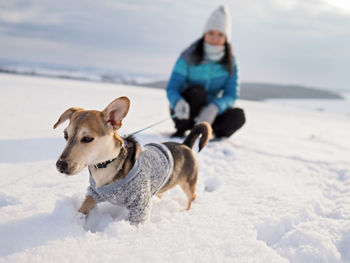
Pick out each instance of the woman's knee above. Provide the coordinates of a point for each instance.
(195, 93)
(229, 122)
(196, 96)
(239, 115)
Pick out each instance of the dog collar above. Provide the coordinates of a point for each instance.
(104, 164)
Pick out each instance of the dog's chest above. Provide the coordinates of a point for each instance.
(103, 176)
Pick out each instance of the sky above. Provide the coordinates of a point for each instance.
(283, 42)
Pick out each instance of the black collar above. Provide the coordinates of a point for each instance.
(104, 164)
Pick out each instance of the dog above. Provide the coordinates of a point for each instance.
(121, 171)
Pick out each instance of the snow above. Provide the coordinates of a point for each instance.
(277, 191)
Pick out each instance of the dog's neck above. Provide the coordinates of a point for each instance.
(116, 169)
(104, 164)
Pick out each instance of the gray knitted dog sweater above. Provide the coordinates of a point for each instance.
(149, 174)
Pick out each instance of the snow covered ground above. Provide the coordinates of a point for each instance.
(277, 191)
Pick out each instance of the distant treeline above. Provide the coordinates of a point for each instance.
(263, 91)
(248, 90)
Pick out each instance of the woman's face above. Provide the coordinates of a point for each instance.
(214, 37)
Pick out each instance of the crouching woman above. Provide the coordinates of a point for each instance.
(203, 85)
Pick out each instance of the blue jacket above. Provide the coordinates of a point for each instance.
(221, 87)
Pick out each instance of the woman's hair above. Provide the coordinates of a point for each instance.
(226, 61)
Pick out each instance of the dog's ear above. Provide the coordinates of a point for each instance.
(66, 115)
(116, 111)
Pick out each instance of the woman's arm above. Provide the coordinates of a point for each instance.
(231, 91)
(177, 82)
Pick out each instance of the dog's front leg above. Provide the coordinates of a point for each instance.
(87, 205)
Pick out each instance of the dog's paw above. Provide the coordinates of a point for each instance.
(81, 218)
(83, 211)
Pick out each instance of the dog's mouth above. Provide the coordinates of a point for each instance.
(66, 168)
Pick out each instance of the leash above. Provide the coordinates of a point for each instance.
(150, 126)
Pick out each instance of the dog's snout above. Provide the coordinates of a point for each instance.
(62, 165)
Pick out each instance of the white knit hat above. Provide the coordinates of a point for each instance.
(220, 20)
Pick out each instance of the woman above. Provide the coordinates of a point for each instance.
(203, 85)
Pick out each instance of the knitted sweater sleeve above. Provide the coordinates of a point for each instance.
(177, 82)
(231, 91)
(93, 193)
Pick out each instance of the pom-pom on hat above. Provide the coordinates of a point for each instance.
(220, 20)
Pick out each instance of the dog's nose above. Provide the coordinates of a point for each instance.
(62, 165)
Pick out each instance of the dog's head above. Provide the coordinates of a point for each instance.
(91, 136)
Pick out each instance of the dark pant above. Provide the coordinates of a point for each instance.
(224, 125)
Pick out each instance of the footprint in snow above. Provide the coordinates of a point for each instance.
(7, 200)
(212, 184)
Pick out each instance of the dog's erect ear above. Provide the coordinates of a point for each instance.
(116, 111)
(66, 115)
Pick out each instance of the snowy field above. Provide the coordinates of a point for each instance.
(277, 191)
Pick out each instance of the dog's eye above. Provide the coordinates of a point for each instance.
(66, 135)
(87, 139)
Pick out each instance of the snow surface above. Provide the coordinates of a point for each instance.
(277, 191)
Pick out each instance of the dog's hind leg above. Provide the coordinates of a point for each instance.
(189, 188)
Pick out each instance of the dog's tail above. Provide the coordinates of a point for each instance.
(203, 129)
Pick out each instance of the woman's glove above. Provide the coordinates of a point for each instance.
(208, 114)
(182, 110)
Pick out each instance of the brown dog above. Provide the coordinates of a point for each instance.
(92, 141)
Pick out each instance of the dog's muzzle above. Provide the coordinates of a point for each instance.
(62, 166)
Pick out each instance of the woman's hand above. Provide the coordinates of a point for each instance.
(182, 110)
